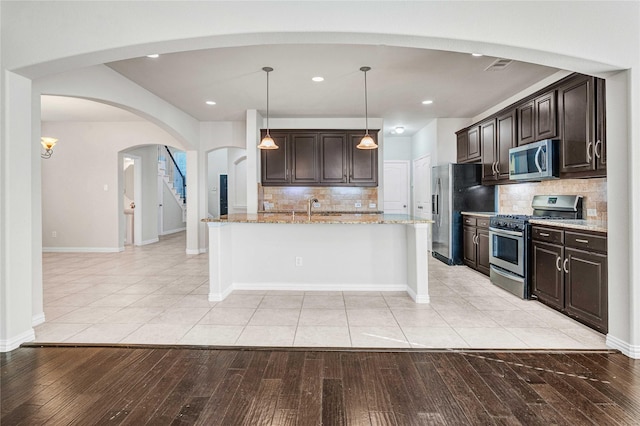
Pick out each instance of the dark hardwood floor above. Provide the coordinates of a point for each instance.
(213, 386)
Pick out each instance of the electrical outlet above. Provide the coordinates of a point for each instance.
(106, 187)
(316, 205)
(592, 212)
(298, 261)
(54, 234)
(372, 205)
(358, 204)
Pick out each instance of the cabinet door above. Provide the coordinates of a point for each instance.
(488, 141)
(474, 148)
(526, 127)
(469, 246)
(462, 146)
(577, 125)
(586, 287)
(482, 237)
(304, 158)
(333, 157)
(363, 163)
(506, 139)
(545, 116)
(546, 275)
(275, 162)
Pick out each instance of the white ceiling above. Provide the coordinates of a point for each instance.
(400, 79)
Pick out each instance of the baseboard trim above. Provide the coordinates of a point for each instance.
(196, 251)
(632, 351)
(7, 345)
(82, 249)
(146, 242)
(173, 231)
(318, 287)
(418, 299)
(219, 297)
(37, 319)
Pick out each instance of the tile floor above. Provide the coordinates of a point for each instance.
(158, 294)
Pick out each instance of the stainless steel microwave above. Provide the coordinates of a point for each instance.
(535, 161)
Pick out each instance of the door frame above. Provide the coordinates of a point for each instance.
(137, 196)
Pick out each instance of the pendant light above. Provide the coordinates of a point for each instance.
(267, 142)
(367, 141)
(48, 144)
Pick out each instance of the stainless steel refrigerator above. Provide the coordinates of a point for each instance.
(456, 188)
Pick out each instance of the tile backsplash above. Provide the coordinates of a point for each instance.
(287, 198)
(517, 198)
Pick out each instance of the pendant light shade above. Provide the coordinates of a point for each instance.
(367, 141)
(48, 144)
(267, 141)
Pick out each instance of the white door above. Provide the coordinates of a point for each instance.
(422, 187)
(396, 187)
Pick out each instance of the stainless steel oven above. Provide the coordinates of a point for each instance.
(506, 249)
(507, 256)
(509, 240)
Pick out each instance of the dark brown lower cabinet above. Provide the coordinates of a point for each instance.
(569, 273)
(475, 240)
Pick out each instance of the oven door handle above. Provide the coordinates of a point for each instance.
(505, 232)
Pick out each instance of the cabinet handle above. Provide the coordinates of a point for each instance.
(564, 265)
(495, 168)
(580, 240)
(589, 147)
(598, 152)
(544, 234)
(558, 264)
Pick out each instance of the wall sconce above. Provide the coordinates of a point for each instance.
(48, 144)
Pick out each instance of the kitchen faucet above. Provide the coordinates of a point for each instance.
(309, 205)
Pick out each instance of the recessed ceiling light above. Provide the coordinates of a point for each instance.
(399, 130)
(477, 55)
(318, 79)
(210, 102)
(427, 102)
(155, 55)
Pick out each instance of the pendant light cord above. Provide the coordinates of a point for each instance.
(366, 109)
(268, 103)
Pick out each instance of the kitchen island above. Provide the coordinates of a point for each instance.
(326, 252)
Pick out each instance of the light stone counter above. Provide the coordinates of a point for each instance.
(481, 214)
(322, 217)
(579, 224)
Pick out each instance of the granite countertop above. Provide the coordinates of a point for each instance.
(482, 214)
(581, 224)
(326, 217)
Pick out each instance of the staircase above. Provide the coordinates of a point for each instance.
(173, 178)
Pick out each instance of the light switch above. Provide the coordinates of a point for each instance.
(106, 187)
(592, 212)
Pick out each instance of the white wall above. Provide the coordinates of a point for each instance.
(397, 148)
(237, 180)
(425, 141)
(75, 203)
(171, 212)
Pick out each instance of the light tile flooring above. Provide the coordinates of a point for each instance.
(158, 294)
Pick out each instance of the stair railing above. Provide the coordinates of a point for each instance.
(182, 181)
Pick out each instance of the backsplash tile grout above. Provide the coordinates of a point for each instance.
(516, 198)
(338, 198)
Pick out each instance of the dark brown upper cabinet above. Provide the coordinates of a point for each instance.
(363, 163)
(469, 146)
(333, 158)
(305, 167)
(275, 163)
(537, 119)
(319, 158)
(495, 156)
(581, 107)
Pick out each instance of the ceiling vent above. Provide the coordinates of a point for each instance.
(499, 64)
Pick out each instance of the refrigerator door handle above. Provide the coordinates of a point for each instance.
(438, 200)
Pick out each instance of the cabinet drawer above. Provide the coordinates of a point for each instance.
(482, 222)
(471, 221)
(588, 242)
(548, 235)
